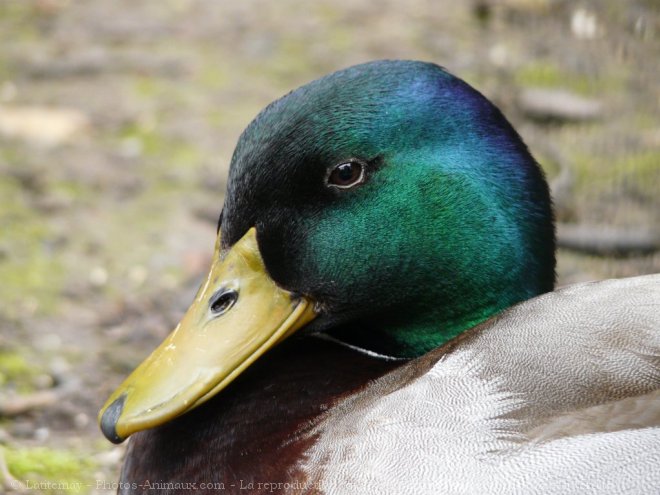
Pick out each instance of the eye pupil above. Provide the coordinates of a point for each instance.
(346, 175)
(346, 171)
(223, 301)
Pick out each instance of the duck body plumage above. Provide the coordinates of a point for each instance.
(558, 394)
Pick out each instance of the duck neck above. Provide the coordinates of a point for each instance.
(414, 337)
(411, 333)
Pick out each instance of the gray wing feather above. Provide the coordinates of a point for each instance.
(559, 394)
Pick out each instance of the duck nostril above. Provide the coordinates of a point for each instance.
(222, 301)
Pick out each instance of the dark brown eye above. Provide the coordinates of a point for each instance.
(346, 175)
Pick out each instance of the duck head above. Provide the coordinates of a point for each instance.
(389, 205)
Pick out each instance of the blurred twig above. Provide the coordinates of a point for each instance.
(8, 480)
(607, 241)
(20, 404)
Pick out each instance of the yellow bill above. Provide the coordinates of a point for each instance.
(238, 314)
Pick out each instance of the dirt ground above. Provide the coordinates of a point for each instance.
(117, 124)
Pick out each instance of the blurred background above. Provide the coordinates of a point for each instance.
(117, 124)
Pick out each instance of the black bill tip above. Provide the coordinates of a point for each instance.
(110, 418)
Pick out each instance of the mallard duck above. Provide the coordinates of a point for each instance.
(380, 317)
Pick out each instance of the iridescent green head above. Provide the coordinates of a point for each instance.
(389, 204)
(399, 199)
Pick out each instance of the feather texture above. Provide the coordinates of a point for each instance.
(544, 398)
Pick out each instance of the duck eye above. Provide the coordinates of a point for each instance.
(346, 175)
(222, 301)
